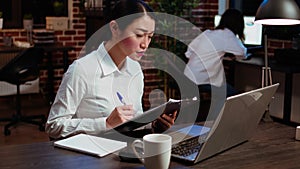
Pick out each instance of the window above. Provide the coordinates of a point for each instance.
(14, 10)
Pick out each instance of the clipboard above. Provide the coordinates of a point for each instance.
(149, 116)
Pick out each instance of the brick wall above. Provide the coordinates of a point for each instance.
(276, 44)
(203, 15)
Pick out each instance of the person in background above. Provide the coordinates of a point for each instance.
(206, 51)
(104, 88)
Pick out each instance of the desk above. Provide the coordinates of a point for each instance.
(272, 146)
(49, 50)
(289, 71)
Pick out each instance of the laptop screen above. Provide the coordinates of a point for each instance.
(252, 31)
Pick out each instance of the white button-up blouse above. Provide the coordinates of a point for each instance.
(205, 54)
(87, 94)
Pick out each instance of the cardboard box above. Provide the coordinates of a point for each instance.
(7, 89)
(57, 23)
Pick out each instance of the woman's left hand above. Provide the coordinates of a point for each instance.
(164, 122)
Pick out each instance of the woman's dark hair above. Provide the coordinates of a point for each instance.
(123, 12)
(233, 20)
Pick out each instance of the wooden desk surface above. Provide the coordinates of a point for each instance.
(273, 146)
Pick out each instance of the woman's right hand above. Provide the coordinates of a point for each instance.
(119, 115)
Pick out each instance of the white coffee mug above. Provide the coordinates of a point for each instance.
(156, 150)
(297, 133)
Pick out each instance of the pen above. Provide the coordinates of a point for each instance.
(121, 98)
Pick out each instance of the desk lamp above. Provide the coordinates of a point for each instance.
(275, 12)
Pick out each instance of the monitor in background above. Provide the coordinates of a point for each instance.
(252, 31)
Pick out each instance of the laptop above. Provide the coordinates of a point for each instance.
(234, 125)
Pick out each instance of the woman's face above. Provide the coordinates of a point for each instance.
(135, 39)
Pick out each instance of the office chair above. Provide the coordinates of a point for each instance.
(21, 69)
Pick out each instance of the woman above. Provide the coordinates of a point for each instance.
(206, 51)
(104, 88)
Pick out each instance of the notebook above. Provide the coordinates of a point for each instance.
(234, 125)
(92, 145)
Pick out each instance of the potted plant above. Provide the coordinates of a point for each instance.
(58, 7)
(27, 21)
(1, 20)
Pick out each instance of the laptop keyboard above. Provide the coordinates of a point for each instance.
(188, 147)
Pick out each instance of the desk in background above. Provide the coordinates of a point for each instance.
(49, 50)
(272, 146)
(289, 71)
(247, 75)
